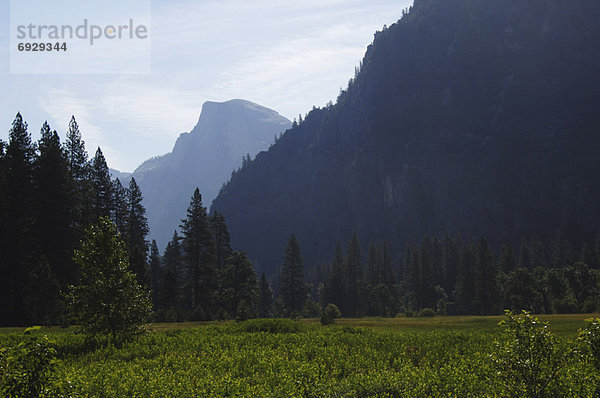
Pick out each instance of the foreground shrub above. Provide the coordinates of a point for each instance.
(528, 360)
(589, 339)
(330, 314)
(27, 368)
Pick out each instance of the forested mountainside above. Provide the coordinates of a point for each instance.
(475, 117)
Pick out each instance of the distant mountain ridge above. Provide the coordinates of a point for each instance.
(204, 158)
(476, 117)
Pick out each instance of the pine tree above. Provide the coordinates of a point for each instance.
(507, 261)
(221, 237)
(427, 294)
(172, 281)
(156, 274)
(53, 205)
(334, 288)
(597, 246)
(137, 230)
(486, 293)
(537, 252)
(387, 269)
(465, 280)
(239, 288)
(42, 296)
(265, 298)
(436, 262)
(560, 251)
(524, 255)
(293, 288)
(101, 187)
(372, 266)
(80, 188)
(199, 257)
(119, 209)
(354, 277)
(20, 248)
(450, 259)
(413, 277)
(588, 256)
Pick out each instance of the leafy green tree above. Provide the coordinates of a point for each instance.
(199, 256)
(107, 298)
(137, 230)
(293, 288)
(520, 291)
(265, 298)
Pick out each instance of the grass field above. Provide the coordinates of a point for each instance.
(441, 356)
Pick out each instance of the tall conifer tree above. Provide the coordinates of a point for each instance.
(53, 205)
(20, 246)
(199, 256)
(293, 288)
(354, 277)
(137, 230)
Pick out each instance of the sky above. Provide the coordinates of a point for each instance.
(285, 55)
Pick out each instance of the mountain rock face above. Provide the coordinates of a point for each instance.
(475, 117)
(204, 158)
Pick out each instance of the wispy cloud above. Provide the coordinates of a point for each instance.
(285, 55)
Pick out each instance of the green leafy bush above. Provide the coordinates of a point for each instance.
(589, 339)
(330, 314)
(528, 359)
(27, 368)
(427, 312)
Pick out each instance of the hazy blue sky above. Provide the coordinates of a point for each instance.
(285, 55)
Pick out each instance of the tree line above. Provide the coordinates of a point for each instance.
(448, 276)
(50, 193)
(55, 203)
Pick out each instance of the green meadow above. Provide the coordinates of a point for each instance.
(369, 357)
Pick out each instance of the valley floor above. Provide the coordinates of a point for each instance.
(441, 356)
